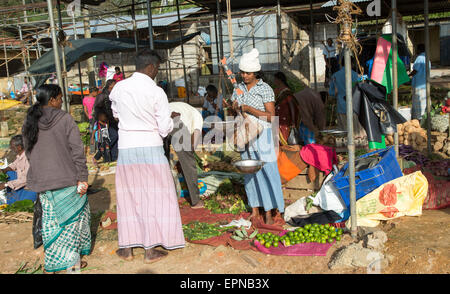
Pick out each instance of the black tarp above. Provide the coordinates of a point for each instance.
(369, 96)
(85, 48)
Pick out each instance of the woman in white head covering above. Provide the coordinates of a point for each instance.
(263, 188)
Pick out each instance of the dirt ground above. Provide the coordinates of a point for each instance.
(417, 244)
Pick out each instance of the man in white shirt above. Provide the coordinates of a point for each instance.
(331, 64)
(186, 135)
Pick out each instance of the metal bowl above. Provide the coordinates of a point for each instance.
(248, 166)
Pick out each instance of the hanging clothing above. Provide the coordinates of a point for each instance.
(320, 156)
(66, 232)
(368, 96)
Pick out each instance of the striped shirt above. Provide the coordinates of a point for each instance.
(258, 95)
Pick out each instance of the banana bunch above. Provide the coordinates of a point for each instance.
(241, 234)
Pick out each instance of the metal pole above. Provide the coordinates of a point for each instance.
(66, 102)
(150, 25)
(133, 17)
(219, 14)
(279, 33)
(313, 44)
(394, 67)
(182, 51)
(427, 70)
(217, 40)
(221, 80)
(230, 33)
(170, 68)
(55, 44)
(6, 59)
(351, 144)
(75, 36)
(87, 35)
(26, 64)
(120, 53)
(253, 31)
(38, 46)
(24, 12)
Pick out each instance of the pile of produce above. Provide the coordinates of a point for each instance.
(412, 134)
(200, 231)
(3, 177)
(220, 204)
(436, 167)
(307, 234)
(215, 163)
(242, 235)
(20, 206)
(439, 123)
(84, 132)
(229, 198)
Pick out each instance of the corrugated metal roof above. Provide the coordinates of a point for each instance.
(335, 2)
(125, 22)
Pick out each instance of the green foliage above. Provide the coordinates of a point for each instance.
(3, 178)
(200, 231)
(35, 269)
(84, 132)
(22, 205)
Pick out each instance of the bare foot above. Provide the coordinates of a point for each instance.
(199, 204)
(125, 253)
(269, 219)
(255, 213)
(153, 255)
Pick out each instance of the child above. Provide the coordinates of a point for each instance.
(88, 106)
(101, 136)
(118, 76)
(88, 102)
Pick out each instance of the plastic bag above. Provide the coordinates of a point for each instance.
(37, 224)
(403, 196)
(295, 209)
(328, 197)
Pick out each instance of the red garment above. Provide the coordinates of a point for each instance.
(118, 77)
(319, 156)
(282, 109)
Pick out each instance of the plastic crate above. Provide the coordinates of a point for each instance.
(369, 179)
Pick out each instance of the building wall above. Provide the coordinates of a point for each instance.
(418, 36)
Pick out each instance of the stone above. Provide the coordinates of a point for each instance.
(207, 251)
(365, 257)
(250, 260)
(363, 231)
(375, 240)
(343, 258)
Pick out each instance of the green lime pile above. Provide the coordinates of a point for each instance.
(307, 234)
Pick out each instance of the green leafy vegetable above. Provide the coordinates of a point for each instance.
(3, 178)
(22, 205)
(200, 231)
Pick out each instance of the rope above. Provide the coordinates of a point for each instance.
(345, 10)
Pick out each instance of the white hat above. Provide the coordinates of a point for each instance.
(249, 61)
